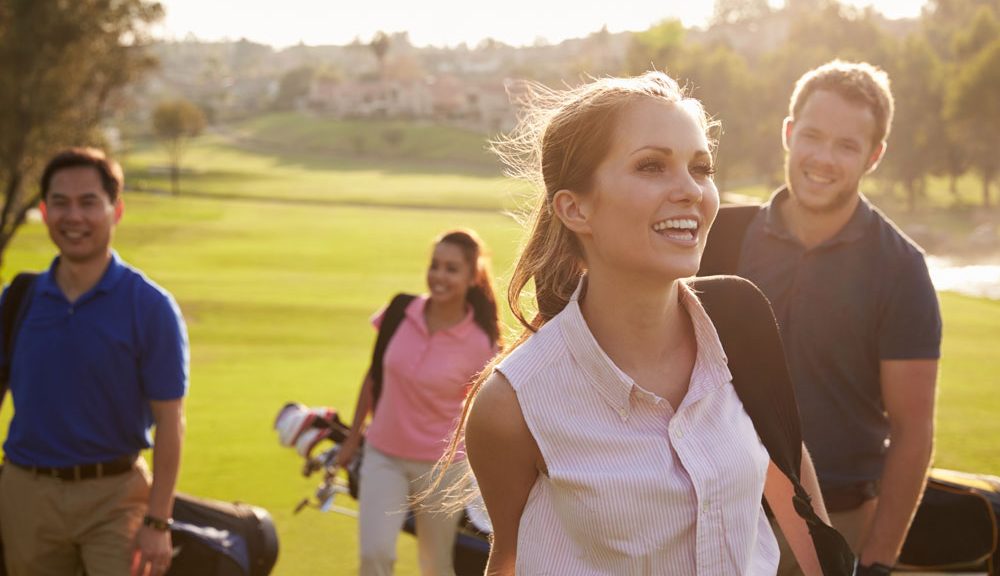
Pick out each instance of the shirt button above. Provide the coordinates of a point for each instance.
(678, 433)
(706, 507)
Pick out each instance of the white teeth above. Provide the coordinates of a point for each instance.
(818, 179)
(676, 224)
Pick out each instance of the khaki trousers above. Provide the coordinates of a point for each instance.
(852, 524)
(387, 483)
(58, 528)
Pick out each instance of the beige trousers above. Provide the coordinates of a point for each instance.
(387, 483)
(53, 527)
(852, 524)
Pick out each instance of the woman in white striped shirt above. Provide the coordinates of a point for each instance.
(609, 439)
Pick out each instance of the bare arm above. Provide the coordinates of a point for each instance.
(778, 491)
(154, 546)
(361, 411)
(908, 394)
(506, 462)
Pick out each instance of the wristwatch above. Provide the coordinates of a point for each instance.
(158, 524)
(874, 569)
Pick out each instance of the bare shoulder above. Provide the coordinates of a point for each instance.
(497, 427)
(496, 412)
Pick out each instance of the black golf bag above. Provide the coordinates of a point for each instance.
(955, 528)
(213, 538)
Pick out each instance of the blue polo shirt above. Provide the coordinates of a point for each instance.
(843, 306)
(82, 374)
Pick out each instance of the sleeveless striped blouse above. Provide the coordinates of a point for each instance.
(635, 487)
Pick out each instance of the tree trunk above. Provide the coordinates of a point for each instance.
(175, 179)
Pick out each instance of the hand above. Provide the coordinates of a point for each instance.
(153, 552)
(348, 450)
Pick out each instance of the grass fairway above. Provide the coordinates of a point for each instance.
(277, 298)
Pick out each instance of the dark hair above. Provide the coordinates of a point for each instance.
(480, 295)
(112, 177)
(857, 82)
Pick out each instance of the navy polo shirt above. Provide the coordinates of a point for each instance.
(862, 296)
(82, 374)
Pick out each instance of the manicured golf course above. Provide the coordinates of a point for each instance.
(277, 297)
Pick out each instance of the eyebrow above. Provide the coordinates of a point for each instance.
(667, 151)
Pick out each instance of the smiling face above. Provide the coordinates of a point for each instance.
(829, 148)
(652, 199)
(450, 275)
(79, 215)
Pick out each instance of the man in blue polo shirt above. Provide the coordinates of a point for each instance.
(858, 313)
(101, 357)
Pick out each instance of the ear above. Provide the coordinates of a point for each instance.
(877, 154)
(786, 132)
(119, 209)
(573, 210)
(44, 210)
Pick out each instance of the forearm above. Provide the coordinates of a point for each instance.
(902, 485)
(810, 481)
(166, 466)
(363, 406)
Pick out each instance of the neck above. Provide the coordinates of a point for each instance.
(451, 311)
(75, 278)
(635, 323)
(812, 227)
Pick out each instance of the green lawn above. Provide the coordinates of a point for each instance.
(277, 298)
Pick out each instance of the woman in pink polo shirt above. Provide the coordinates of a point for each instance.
(445, 339)
(609, 439)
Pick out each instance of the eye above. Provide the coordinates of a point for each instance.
(650, 165)
(703, 169)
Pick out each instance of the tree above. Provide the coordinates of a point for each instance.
(973, 105)
(918, 126)
(657, 47)
(175, 123)
(739, 11)
(60, 64)
(380, 47)
(294, 87)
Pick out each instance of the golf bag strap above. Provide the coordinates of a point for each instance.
(15, 302)
(749, 335)
(725, 240)
(391, 320)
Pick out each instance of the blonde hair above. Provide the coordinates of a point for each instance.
(560, 140)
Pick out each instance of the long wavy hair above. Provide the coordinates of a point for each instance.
(560, 140)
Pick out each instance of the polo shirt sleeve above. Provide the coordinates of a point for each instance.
(165, 354)
(377, 318)
(910, 324)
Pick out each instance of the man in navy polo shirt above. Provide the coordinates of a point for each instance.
(858, 313)
(100, 358)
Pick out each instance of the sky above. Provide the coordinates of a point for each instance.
(283, 23)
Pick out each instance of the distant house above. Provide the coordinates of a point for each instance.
(480, 105)
(372, 98)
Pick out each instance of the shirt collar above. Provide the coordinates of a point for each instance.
(116, 267)
(415, 312)
(615, 386)
(854, 230)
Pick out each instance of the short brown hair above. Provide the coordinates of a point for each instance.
(857, 82)
(112, 177)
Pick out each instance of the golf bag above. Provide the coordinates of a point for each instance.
(316, 434)
(213, 538)
(955, 527)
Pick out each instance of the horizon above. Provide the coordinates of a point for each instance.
(311, 20)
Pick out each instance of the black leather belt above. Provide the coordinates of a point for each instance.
(84, 471)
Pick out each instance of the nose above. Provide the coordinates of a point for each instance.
(685, 190)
